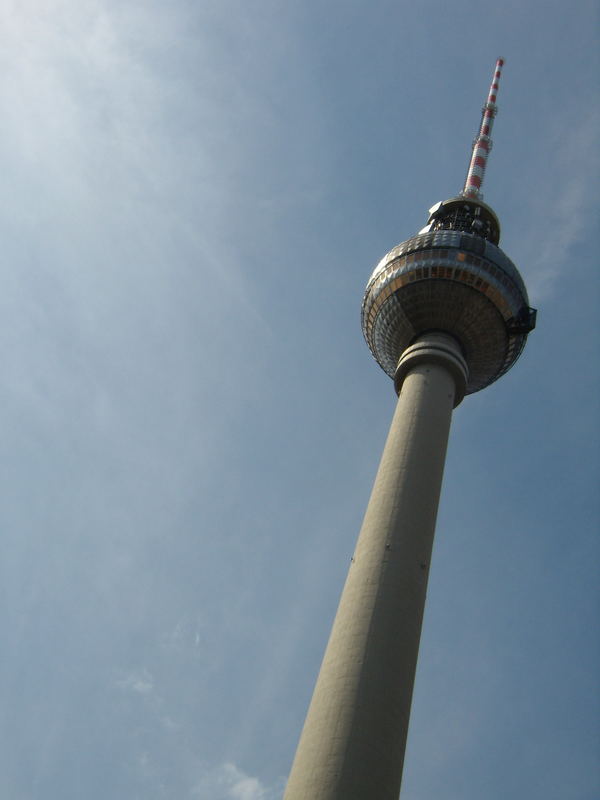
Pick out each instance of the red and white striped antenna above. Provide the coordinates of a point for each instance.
(482, 144)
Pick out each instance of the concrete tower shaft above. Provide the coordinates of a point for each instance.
(353, 740)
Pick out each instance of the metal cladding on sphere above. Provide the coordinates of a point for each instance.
(454, 281)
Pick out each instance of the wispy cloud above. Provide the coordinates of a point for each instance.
(569, 201)
(141, 682)
(229, 782)
(226, 781)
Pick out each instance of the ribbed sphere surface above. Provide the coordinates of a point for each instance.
(448, 281)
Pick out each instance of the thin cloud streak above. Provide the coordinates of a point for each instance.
(229, 782)
(570, 189)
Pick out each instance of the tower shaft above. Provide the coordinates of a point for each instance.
(352, 744)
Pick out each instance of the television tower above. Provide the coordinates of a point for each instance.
(445, 314)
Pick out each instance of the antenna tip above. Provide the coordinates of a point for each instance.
(500, 62)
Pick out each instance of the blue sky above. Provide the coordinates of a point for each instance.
(195, 194)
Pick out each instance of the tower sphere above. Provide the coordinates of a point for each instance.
(451, 277)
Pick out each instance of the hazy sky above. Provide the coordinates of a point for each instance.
(194, 196)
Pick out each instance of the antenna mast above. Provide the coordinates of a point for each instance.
(482, 144)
